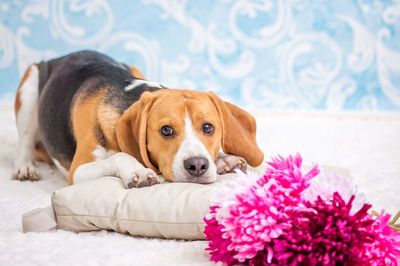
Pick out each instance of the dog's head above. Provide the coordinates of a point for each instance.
(180, 132)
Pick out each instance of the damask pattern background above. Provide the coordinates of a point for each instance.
(297, 54)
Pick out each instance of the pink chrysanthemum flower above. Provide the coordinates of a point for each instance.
(273, 222)
(325, 234)
(258, 214)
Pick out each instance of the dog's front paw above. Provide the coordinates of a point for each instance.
(26, 172)
(228, 163)
(143, 177)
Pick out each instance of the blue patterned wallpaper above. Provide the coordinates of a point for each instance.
(277, 54)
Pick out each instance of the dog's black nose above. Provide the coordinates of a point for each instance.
(196, 166)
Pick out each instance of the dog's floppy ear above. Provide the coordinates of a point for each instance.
(131, 129)
(238, 131)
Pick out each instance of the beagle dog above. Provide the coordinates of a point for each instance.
(92, 116)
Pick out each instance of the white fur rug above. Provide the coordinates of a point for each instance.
(368, 144)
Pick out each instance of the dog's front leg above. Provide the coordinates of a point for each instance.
(122, 165)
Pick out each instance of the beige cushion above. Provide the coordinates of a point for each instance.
(172, 210)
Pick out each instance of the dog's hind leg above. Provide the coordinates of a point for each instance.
(26, 112)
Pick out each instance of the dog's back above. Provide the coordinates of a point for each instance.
(77, 73)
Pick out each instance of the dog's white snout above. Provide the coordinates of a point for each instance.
(192, 162)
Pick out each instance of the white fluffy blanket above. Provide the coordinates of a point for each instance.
(368, 144)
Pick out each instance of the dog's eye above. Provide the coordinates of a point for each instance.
(167, 131)
(208, 128)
